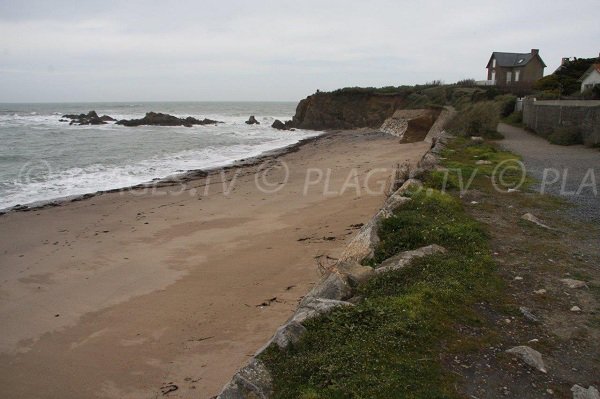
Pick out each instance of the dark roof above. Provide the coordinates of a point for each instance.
(512, 59)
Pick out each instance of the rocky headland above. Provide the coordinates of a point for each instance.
(344, 109)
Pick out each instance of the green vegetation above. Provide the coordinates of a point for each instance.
(566, 136)
(480, 119)
(506, 104)
(393, 342)
(515, 119)
(480, 108)
(565, 79)
(462, 168)
(432, 217)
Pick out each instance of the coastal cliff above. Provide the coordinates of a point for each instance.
(345, 109)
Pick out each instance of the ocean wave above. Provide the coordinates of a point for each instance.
(101, 177)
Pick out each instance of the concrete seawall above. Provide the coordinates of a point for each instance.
(544, 117)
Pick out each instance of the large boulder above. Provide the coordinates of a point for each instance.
(279, 125)
(311, 307)
(580, 392)
(289, 333)
(403, 259)
(252, 381)
(363, 244)
(160, 119)
(333, 286)
(252, 121)
(530, 356)
(354, 272)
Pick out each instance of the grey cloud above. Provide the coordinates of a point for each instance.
(267, 50)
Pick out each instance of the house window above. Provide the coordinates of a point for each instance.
(517, 76)
(508, 76)
(493, 63)
(494, 77)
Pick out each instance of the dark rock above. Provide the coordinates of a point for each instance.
(159, 119)
(91, 118)
(279, 125)
(252, 121)
(107, 118)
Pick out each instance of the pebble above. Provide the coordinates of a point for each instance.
(540, 292)
(528, 315)
(518, 278)
(575, 309)
(572, 283)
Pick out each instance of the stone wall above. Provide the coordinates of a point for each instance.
(543, 117)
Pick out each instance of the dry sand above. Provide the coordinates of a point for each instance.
(127, 295)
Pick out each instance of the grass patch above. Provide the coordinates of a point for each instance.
(389, 344)
(430, 218)
(463, 172)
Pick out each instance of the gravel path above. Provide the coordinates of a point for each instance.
(571, 172)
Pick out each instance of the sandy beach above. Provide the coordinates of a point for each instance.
(166, 292)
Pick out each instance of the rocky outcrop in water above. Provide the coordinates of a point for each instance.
(91, 118)
(345, 109)
(159, 119)
(252, 121)
(279, 125)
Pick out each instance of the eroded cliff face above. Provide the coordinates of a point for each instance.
(322, 111)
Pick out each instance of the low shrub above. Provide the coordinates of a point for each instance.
(566, 136)
(516, 118)
(481, 119)
(506, 104)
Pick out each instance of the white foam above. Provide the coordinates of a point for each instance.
(100, 177)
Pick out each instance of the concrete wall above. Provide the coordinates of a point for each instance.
(543, 117)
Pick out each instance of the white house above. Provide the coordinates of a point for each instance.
(590, 78)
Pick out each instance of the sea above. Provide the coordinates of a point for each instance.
(43, 159)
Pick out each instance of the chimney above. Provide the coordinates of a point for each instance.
(535, 51)
(564, 60)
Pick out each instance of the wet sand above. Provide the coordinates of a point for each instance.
(131, 294)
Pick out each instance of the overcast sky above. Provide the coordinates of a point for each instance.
(269, 50)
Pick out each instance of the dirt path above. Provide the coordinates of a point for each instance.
(165, 294)
(562, 320)
(572, 172)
